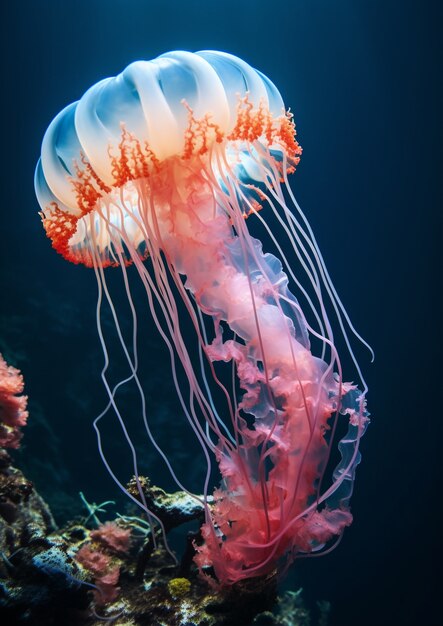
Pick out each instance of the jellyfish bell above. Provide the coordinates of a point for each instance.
(148, 123)
(165, 162)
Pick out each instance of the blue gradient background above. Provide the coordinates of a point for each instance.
(362, 78)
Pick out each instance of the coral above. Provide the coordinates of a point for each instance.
(95, 558)
(116, 539)
(14, 489)
(93, 509)
(172, 509)
(107, 590)
(46, 574)
(92, 560)
(37, 576)
(24, 516)
(179, 587)
(106, 573)
(291, 611)
(13, 413)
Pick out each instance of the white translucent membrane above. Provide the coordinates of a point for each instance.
(126, 221)
(149, 99)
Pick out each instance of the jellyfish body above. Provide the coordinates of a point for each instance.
(160, 167)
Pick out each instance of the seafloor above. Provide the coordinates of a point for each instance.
(88, 572)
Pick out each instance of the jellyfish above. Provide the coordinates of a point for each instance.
(168, 168)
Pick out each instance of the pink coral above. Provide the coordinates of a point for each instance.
(93, 560)
(107, 590)
(13, 413)
(106, 573)
(113, 537)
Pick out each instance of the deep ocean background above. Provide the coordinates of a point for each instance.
(362, 78)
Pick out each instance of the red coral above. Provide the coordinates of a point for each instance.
(113, 537)
(13, 413)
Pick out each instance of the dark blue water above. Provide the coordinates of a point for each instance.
(362, 80)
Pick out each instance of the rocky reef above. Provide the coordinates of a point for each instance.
(84, 573)
(91, 571)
